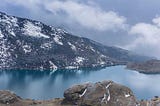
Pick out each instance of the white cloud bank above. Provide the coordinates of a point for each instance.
(147, 38)
(84, 14)
(88, 15)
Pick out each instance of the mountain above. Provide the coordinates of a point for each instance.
(30, 44)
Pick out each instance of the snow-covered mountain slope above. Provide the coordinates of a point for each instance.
(29, 44)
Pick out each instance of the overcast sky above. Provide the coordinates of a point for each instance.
(130, 24)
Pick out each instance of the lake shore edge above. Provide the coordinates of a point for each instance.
(78, 95)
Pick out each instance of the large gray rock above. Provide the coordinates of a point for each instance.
(6, 97)
(106, 93)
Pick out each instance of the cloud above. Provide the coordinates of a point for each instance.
(147, 38)
(29, 4)
(156, 21)
(33, 7)
(87, 15)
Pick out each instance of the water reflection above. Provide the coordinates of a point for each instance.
(46, 84)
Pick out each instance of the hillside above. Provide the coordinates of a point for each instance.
(29, 44)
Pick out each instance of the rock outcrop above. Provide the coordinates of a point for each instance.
(7, 97)
(106, 93)
(148, 67)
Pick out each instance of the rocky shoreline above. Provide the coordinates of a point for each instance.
(105, 93)
(148, 67)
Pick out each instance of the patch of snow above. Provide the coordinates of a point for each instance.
(102, 56)
(57, 39)
(138, 104)
(108, 85)
(84, 92)
(1, 35)
(9, 23)
(101, 60)
(27, 49)
(71, 67)
(94, 65)
(33, 30)
(52, 66)
(60, 31)
(12, 21)
(92, 48)
(127, 95)
(104, 99)
(11, 32)
(41, 68)
(109, 96)
(73, 47)
(79, 59)
(47, 45)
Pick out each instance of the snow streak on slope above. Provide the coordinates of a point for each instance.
(33, 30)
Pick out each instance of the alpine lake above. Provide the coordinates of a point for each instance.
(43, 85)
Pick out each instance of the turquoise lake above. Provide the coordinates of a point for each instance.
(46, 84)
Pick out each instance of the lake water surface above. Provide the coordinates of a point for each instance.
(47, 84)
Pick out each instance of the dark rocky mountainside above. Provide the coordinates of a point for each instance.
(106, 93)
(148, 67)
(29, 44)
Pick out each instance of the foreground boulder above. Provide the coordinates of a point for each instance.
(106, 93)
(7, 97)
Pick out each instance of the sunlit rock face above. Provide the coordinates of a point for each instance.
(29, 44)
(106, 93)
